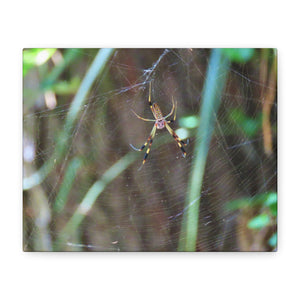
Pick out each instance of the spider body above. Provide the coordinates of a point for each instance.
(157, 112)
(160, 123)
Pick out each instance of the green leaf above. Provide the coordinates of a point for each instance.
(238, 204)
(273, 240)
(248, 125)
(35, 57)
(66, 87)
(239, 55)
(259, 221)
(66, 186)
(268, 199)
(271, 199)
(237, 115)
(189, 122)
(69, 56)
(182, 133)
(271, 202)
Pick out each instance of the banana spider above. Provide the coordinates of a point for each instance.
(160, 122)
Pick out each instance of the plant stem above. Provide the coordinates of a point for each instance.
(211, 98)
(95, 69)
(62, 196)
(92, 195)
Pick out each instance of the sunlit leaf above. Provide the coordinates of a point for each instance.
(189, 122)
(273, 240)
(69, 55)
(271, 202)
(182, 133)
(259, 221)
(66, 87)
(271, 199)
(240, 55)
(43, 56)
(268, 199)
(35, 57)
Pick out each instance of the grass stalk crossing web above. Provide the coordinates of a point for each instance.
(96, 69)
(211, 99)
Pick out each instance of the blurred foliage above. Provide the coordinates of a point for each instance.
(35, 57)
(266, 217)
(189, 122)
(64, 61)
(65, 87)
(36, 60)
(259, 221)
(273, 240)
(250, 126)
(239, 55)
(93, 194)
(68, 181)
(95, 69)
(267, 199)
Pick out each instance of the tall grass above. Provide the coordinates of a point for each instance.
(95, 70)
(211, 99)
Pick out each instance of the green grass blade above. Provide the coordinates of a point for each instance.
(69, 56)
(92, 195)
(95, 69)
(67, 183)
(211, 98)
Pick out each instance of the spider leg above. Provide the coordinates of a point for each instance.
(147, 120)
(150, 144)
(171, 121)
(150, 138)
(174, 116)
(171, 112)
(177, 139)
(149, 99)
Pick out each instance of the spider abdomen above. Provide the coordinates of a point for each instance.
(160, 120)
(157, 112)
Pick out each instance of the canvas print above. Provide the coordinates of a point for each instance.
(150, 150)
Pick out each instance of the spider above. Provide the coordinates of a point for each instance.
(160, 123)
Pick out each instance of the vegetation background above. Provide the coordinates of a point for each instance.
(82, 187)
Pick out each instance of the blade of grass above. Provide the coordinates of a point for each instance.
(92, 195)
(65, 188)
(95, 69)
(211, 98)
(69, 56)
(97, 188)
(40, 236)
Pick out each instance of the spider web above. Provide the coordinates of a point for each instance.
(142, 210)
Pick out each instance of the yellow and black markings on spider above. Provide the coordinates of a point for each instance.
(160, 123)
